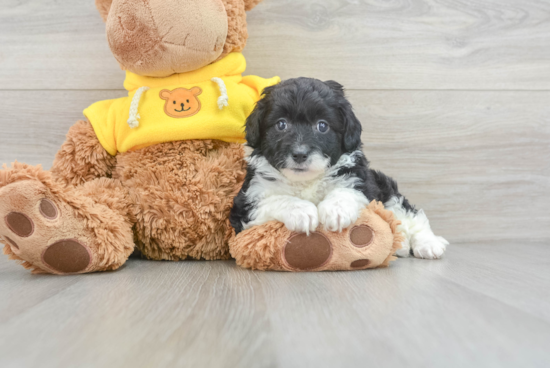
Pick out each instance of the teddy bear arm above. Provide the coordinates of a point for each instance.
(82, 158)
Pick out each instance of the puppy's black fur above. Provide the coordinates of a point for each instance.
(302, 103)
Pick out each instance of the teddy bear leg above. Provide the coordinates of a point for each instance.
(272, 246)
(371, 242)
(56, 229)
(81, 158)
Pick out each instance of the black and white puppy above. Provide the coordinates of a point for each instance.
(308, 168)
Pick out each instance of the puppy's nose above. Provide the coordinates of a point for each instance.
(300, 155)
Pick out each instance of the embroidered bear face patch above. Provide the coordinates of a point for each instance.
(181, 102)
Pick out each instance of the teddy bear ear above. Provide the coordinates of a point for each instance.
(250, 4)
(103, 6)
(196, 91)
(165, 94)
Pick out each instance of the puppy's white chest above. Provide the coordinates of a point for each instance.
(313, 192)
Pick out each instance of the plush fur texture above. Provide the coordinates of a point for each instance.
(147, 37)
(171, 200)
(182, 194)
(238, 32)
(158, 38)
(81, 158)
(96, 213)
(308, 168)
(263, 247)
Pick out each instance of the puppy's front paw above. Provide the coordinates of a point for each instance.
(429, 246)
(336, 215)
(302, 217)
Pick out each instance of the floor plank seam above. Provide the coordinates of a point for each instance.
(542, 319)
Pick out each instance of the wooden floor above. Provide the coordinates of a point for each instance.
(454, 97)
(484, 305)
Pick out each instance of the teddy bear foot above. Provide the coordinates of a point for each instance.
(371, 242)
(316, 251)
(33, 227)
(48, 235)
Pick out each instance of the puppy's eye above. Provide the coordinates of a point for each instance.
(322, 126)
(282, 125)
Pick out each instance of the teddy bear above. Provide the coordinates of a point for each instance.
(371, 242)
(155, 171)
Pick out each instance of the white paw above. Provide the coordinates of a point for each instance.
(336, 215)
(302, 217)
(429, 246)
(405, 250)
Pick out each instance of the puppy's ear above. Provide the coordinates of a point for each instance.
(103, 6)
(250, 4)
(352, 128)
(254, 121)
(352, 125)
(336, 87)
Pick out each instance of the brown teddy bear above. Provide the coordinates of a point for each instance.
(157, 170)
(369, 243)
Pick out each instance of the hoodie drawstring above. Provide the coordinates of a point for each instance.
(134, 115)
(223, 100)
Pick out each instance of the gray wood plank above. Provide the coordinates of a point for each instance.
(212, 314)
(477, 162)
(397, 317)
(47, 44)
(366, 44)
(415, 44)
(514, 272)
(196, 314)
(34, 134)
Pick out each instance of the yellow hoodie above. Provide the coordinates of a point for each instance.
(209, 103)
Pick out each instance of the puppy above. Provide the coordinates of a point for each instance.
(308, 168)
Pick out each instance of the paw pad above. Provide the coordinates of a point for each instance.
(48, 209)
(304, 252)
(361, 236)
(20, 224)
(360, 263)
(67, 256)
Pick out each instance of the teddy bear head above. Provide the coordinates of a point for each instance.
(158, 38)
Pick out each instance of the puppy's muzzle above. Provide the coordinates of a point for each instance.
(300, 154)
